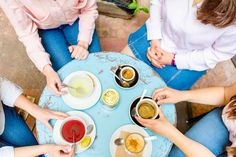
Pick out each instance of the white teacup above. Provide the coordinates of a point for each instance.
(66, 128)
(147, 109)
(139, 143)
(126, 72)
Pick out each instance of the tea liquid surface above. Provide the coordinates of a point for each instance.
(70, 126)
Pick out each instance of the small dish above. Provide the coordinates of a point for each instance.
(131, 83)
(82, 84)
(83, 103)
(110, 98)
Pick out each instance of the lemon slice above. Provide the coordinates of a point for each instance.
(85, 142)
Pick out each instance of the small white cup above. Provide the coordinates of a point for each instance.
(140, 138)
(130, 69)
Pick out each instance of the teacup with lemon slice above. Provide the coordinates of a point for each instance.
(75, 130)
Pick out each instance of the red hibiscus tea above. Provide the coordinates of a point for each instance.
(71, 126)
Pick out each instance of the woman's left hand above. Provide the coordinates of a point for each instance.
(78, 52)
(165, 58)
(44, 115)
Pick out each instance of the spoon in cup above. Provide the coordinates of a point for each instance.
(121, 141)
(133, 111)
(124, 83)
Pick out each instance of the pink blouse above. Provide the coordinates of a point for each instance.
(27, 16)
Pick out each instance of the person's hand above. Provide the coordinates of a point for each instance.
(153, 55)
(160, 126)
(44, 115)
(79, 51)
(165, 58)
(168, 95)
(60, 150)
(155, 43)
(53, 81)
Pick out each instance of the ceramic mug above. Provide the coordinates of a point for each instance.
(134, 143)
(147, 109)
(127, 74)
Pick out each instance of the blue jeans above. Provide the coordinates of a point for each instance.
(210, 131)
(56, 41)
(16, 132)
(173, 77)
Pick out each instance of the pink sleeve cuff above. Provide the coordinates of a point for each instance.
(86, 35)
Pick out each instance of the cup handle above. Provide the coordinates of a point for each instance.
(133, 112)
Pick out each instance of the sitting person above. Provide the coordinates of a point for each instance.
(60, 29)
(185, 38)
(211, 131)
(15, 133)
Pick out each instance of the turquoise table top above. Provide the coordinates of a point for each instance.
(107, 122)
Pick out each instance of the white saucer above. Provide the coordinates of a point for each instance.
(83, 103)
(130, 128)
(87, 119)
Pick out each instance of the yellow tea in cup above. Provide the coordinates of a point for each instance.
(147, 109)
(134, 143)
(127, 73)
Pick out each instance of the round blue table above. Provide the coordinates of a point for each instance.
(108, 121)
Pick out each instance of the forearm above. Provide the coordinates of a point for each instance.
(230, 91)
(210, 96)
(186, 145)
(25, 104)
(47, 70)
(31, 151)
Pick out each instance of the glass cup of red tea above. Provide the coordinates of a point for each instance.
(73, 130)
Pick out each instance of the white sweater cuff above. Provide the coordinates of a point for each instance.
(7, 151)
(9, 92)
(181, 61)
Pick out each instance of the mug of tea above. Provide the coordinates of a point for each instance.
(127, 74)
(134, 143)
(147, 109)
(73, 130)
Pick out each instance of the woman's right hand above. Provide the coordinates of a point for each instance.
(60, 150)
(53, 81)
(153, 55)
(160, 126)
(168, 95)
